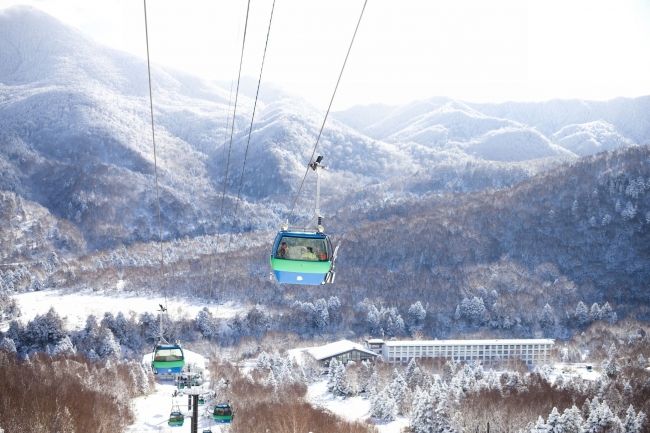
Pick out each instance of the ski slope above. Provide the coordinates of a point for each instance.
(152, 411)
(76, 307)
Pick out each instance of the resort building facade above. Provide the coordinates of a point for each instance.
(488, 352)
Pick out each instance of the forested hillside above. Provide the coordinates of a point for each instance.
(551, 254)
(452, 217)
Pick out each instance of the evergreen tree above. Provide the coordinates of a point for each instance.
(107, 346)
(321, 315)
(343, 387)
(207, 324)
(367, 370)
(629, 425)
(548, 318)
(398, 326)
(91, 325)
(571, 420)
(540, 426)
(45, 329)
(142, 379)
(608, 314)
(612, 352)
(410, 368)
(331, 375)
(601, 419)
(64, 347)
(8, 345)
(553, 423)
(383, 407)
(398, 391)
(594, 312)
(16, 333)
(448, 371)
(582, 314)
(263, 360)
(374, 321)
(443, 420)
(416, 315)
(422, 416)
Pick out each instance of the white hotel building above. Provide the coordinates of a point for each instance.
(488, 352)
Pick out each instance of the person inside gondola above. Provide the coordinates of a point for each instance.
(308, 254)
(283, 251)
(321, 255)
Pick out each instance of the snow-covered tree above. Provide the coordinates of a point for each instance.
(548, 318)
(107, 346)
(594, 312)
(601, 419)
(612, 352)
(443, 419)
(337, 379)
(423, 413)
(64, 347)
(553, 422)
(263, 360)
(398, 391)
(383, 407)
(582, 314)
(272, 381)
(321, 315)
(416, 315)
(8, 345)
(571, 421)
(633, 422)
(608, 314)
(473, 310)
(629, 212)
(207, 324)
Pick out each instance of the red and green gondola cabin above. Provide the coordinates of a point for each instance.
(301, 258)
(223, 414)
(168, 359)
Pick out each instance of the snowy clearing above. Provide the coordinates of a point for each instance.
(76, 307)
(350, 408)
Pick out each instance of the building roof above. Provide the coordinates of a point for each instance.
(465, 342)
(337, 348)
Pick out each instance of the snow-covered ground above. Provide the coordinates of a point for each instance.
(350, 408)
(575, 370)
(152, 412)
(77, 306)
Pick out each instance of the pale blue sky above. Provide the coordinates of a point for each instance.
(472, 50)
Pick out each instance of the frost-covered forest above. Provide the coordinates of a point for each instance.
(454, 220)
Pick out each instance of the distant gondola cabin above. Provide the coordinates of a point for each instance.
(168, 359)
(176, 419)
(223, 413)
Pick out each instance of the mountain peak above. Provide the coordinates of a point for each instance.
(34, 45)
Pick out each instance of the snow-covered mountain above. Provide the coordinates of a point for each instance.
(508, 131)
(75, 138)
(590, 138)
